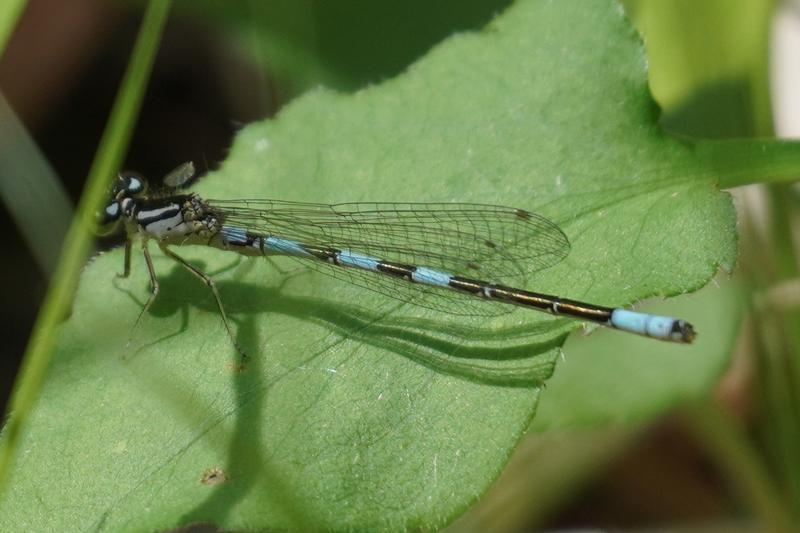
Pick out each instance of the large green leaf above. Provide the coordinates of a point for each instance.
(356, 411)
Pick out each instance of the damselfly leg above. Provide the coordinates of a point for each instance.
(155, 288)
(127, 267)
(202, 276)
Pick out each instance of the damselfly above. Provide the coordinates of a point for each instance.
(453, 257)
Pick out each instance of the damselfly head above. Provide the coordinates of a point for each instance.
(127, 185)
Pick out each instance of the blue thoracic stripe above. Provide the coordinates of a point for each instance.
(429, 276)
(285, 246)
(660, 327)
(353, 259)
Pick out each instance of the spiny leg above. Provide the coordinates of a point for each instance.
(127, 268)
(153, 283)
(213, 286)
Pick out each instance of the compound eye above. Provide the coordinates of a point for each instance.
(108, 218)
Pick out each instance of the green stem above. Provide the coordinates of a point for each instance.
(78, 242)
(10, 10)
(780, 375)
(746, 161)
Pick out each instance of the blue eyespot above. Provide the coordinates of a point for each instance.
(128, 184)
(112, 211)
(108, 218)
(135, 185)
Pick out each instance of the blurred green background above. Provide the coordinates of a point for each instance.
(730, 460)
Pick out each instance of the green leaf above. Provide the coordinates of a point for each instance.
(356, 412)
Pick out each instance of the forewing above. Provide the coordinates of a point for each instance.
(490, 243)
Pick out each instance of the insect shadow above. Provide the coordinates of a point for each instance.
(501, 356)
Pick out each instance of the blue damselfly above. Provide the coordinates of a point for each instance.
(453, 257)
